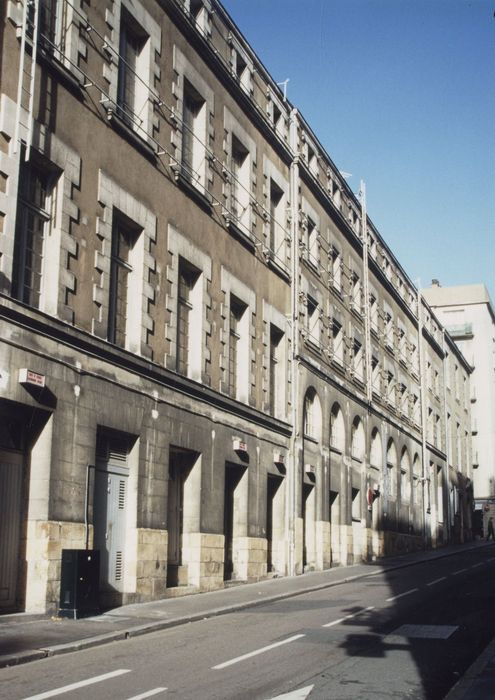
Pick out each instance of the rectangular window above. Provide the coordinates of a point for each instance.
(277, 228)
(313, 321)
(390, 387)
(188, 277)
(337, 341)
(193, 149)
(401, 334)
(240, 198)
(312, 242)
(276, 117)
(373, 313)
(414, 357)
(357, 359)
(336, 269)
(47, 24)
(389, 329)
(415, 409)
(124, 236)
(312, 160)
(276, 370)
(199, 14)
(356, 292)
(32, 221)
(375, 373)
(236, 336)
(132, 42)
(241, 70)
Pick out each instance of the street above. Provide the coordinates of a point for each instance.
(410, 633)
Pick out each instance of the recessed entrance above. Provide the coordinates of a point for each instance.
(179, 504)
(233, 514)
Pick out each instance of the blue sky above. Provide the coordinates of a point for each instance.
(401, 93)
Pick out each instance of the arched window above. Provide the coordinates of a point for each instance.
(376, 452)
(405, 477)
(337, 428)
(392, 468)
(312, 415)
(358, 444)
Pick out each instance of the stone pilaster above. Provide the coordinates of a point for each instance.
(250, 558)
(45, 541)
(323, 553)
(204, 554)
(298, 539)
(150, 564)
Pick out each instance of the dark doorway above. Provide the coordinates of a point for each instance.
(307, 489)
(273, 484)
(233, 475)
(180, 464)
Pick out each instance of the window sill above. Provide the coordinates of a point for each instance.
(201, 198)
(130, 135)
(72, 78)
(312, 264)
(240, 235)
(356, 311)
(358, 381)
(314, 346)
(310, 438)
(277, 267)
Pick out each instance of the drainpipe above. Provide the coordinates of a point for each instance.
(422, 392)
(366, 292)
(448, 450)
(294, 418)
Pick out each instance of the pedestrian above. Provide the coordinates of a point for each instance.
(491, 532)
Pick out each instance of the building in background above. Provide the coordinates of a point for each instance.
(467, 313)
(212, 367)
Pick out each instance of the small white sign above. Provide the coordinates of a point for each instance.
(239, 446)
(27, 376)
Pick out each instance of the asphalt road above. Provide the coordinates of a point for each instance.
(410, 633)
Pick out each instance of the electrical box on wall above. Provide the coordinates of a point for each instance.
(79, 583)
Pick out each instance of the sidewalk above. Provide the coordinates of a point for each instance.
(25, 637)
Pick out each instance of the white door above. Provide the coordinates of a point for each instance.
(110, 508)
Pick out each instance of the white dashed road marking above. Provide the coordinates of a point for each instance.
(148, 694)
(257, 651)
(402, 595)
(437, 580)
(348, 617)
(80, 684)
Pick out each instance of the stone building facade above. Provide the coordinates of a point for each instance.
(212, 367)
(468, 314)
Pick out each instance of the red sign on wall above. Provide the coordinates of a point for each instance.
(27, 376)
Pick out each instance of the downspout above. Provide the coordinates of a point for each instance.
(422, 392)
(366, 293)
(448, 447)
(293, 457)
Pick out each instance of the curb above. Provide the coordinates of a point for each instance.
(466, 687)
(148, 628)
